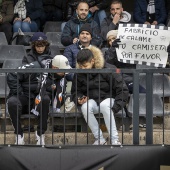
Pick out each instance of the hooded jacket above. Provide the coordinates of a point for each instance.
(72, 30)
(117, 86)
(72, 5)
(108, 25)
(27, 82)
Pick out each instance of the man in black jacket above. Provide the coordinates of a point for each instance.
(72, 28)
(97, 93)
(29, 91)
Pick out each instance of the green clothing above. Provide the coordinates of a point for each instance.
(7, 10)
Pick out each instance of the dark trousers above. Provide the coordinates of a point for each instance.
(6, 27)
(20, 105)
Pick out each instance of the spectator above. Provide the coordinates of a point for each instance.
(72, 28)
(111, 58)
(167, 4)
(26, 90)
(28, 15)
(6, 16)
(151, 12)
(54, 10)
(91, 101)
(85, 37)
(96, 8)
(40, 46)
(116, 16)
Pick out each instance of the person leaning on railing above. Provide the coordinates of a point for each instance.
(110, 103)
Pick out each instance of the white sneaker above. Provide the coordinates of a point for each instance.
(116, 142)
(40, 139)
(20, 140)
(101, 142)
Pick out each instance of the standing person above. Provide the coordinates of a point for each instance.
(116, 16)
(27, 15)
(39, 46)
(29, 91)
(86, 93)
(6, 17)
(72, 28)
(96, 8)
(151, 12)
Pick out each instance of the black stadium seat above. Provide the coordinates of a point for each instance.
(3, 40)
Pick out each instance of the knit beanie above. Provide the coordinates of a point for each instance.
(86, 27)
(112, 32)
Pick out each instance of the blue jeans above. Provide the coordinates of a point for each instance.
(105, 108)
(25, 26)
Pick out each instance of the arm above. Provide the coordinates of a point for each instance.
(106, 27)
(137, 14)
(66, 36)
(121, 93)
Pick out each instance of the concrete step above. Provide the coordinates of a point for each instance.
(69, 138)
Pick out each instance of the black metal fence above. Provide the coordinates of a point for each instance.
(157, 85)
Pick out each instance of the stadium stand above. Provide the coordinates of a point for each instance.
(14, 63)
(52, 26)
(3, 40)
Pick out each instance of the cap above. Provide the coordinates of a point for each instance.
(112, 32)
(61, 62)
(38, 36)
(86, 27)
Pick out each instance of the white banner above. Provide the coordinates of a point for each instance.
(141, 45)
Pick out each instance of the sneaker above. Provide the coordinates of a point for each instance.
(40, 139)
(101, 142)
(20, 140)
(116, 142)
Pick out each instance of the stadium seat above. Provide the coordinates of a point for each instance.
(160, 82)
(12, 63)
(12, 52)
(54, 38)
(3, 40)
(52, 26)
(157, 105)
(55, 50)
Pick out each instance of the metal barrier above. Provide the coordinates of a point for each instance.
(66, 116)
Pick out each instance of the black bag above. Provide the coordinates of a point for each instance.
(22, 39)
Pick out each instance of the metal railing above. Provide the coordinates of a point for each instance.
(136, 103)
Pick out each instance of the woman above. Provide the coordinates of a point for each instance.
(27, 15)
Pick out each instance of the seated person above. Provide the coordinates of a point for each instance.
(150, 12)
(96, 8)
(85, 92)
(6, 17)
(27, 15)
(111, 58)
(72, 28)
(39, 46)
(116, 16)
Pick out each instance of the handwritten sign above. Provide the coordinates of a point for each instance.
(143, 45)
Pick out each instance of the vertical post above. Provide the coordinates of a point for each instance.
(136, 107)
(149, 108)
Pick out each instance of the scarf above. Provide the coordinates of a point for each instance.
(20, 9)
(151, 11)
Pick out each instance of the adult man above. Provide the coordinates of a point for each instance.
(6, 16)
(29, 91)
(151, 12)
(117, 15)
(85, 38)
(96, 7)
(97, 93)
(72, 28)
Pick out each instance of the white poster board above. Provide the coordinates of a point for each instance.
(142, 45)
